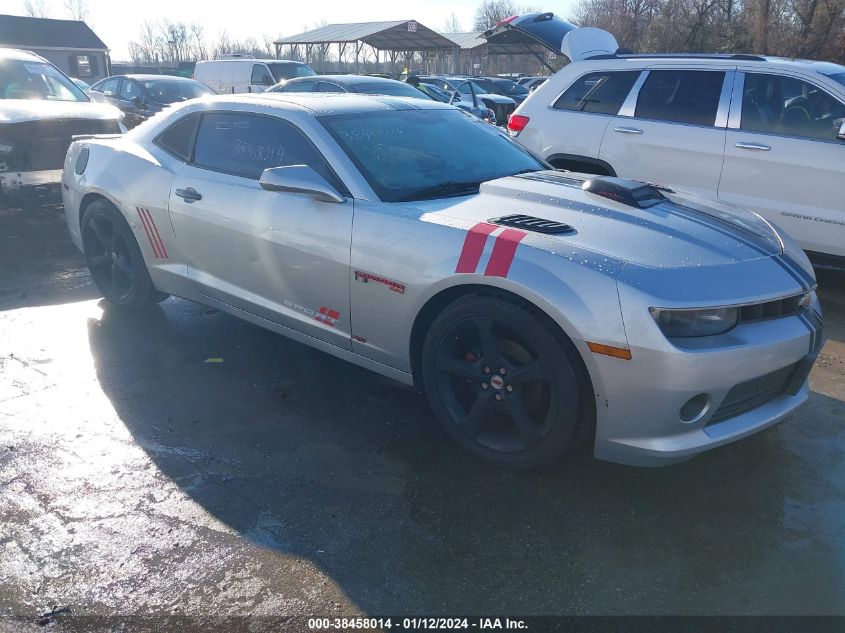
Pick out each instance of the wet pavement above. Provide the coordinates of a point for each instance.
(138, 479)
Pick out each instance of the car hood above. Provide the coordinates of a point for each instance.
(681, 231)
(21, 110)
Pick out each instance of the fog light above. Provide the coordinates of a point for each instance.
(695, 408)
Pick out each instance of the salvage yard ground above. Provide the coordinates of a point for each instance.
(137, 478)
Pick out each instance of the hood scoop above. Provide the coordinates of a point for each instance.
(534, 224)
(630, 192)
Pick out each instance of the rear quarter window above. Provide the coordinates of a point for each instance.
(598, 93)
(179, 138)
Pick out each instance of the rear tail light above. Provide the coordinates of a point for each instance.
(516, 123)
(507, 20)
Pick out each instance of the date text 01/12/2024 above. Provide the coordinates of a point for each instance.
(417, 623)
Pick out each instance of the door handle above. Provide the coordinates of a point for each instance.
(627, 130)
(753, 146)
(188, 195)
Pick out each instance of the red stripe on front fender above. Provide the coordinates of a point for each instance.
(503, 253)
(474, 243)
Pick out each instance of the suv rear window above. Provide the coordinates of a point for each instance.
(681, 96)
(600, 93)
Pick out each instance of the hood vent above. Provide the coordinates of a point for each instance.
(530, 223)
(631, 192)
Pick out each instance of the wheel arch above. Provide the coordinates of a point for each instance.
(578, 163)
(88, 199)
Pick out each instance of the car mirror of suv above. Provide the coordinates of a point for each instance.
(299, 179)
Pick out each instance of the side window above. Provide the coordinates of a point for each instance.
(681, 96)
(109, 87)
(600, 93)
(261, 76)
(178, 139)
(326, 86)
(129, 90)
(790, 107)
(299, 86)
(245, 145)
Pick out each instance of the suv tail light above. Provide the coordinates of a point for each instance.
(516, 123)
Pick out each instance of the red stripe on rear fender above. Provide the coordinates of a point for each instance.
(157, 235)
(474, 243)
(504, 250)
(148, 232)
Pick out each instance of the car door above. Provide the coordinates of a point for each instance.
(281, 256)
(260, 78)
(586, 108)
(131, 101)
(784, 160)
(671, 129)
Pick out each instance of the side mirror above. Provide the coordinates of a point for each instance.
(841, 135)
(299, 179)
(136, 101)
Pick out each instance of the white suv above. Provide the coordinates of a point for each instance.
(762, 132)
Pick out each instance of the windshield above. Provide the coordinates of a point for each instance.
(510, 88)
(404, 153)
(462, 86)
(838, 78)
(36, 80)
(436, 93)
(289, 71)
(390, 88)
(169, 91)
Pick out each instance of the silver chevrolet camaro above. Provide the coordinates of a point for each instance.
(536, 308)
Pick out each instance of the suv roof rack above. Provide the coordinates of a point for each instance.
(737, 56)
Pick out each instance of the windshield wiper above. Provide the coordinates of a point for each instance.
(444, 190)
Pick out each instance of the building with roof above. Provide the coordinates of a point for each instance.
(70, 45)
(397, 40)
(470, 54)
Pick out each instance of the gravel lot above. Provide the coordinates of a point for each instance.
(138, 479)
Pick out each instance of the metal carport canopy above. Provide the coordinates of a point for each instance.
(399, 35)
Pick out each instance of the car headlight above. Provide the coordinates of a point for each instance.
(696, 322)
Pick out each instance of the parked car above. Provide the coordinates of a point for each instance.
(536, 309)
(764, 132)
(477, 108)
(141, 96)
(504, 87)
(40, 110)
(532, 83)
(464, 88)
(361, 84)
(247, 74)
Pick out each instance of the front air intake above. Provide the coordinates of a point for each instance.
(530, 223)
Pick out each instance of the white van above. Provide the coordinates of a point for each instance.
(248, 75)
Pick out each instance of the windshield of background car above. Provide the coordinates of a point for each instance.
(36, 80)
(393, 89)
(463, 87)
(405, 151)
(509, 87)
(164, 91)
(289, 71)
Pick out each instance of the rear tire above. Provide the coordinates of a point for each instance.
(115, 259)
(504, 383)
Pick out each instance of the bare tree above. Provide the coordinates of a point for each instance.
(78, 9)
(36, 9)
(452, 25)
(491, 12)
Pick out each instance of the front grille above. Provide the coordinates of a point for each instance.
(776, 309)
(754, 393)
(42, 145)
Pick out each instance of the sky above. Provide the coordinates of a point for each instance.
(117, 22)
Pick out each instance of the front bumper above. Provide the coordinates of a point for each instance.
(31, 184)
(753, 379)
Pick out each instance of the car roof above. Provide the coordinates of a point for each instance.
(140, 77)
(323, 103)
(347, 79)
(825, 68)
(20, 55)
(250, 60)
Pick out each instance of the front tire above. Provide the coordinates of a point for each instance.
(504, 383)
(115, 259)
